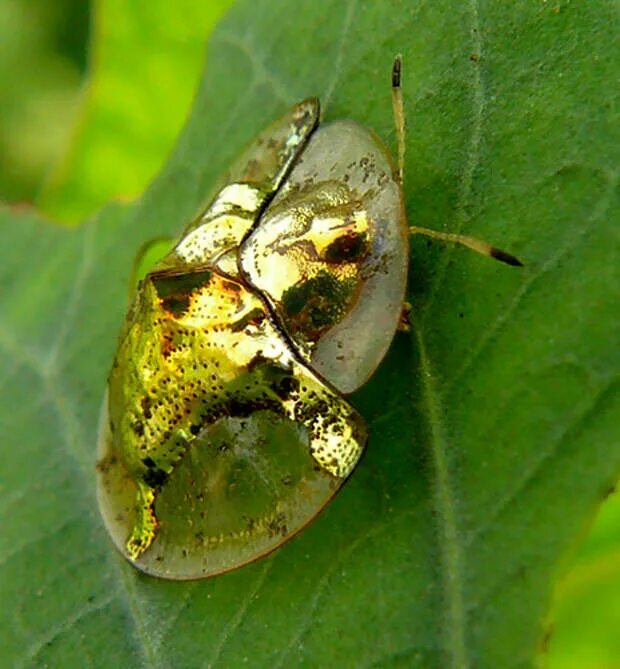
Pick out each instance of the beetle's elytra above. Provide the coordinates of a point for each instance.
(225, 429)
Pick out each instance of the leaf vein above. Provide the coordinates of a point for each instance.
(448, 537)
(65, 626)
(321, 586)
(500, 507)
(491, 333)
(472, 160)
(344, 35)
(234, 623)
(148, 647)
(77, 291)
(262, 74)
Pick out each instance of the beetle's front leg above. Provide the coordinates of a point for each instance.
(404, 325)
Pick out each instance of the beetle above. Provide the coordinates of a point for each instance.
(225, 429)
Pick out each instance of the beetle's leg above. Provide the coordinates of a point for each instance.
(474, 244)
(404, 325)
(145, 524)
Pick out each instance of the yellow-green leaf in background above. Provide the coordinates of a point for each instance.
(585, 622)
(145, 64)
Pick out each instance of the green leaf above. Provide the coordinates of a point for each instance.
(145, 63)
(42, 49)
(494, 423)
(592, 585)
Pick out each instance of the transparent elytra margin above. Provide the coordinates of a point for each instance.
(247, 486)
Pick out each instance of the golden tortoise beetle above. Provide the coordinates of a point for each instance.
(225, 430)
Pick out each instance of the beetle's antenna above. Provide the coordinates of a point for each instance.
(474, 244)
(399, 115)
(477, 245)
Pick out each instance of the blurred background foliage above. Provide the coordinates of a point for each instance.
(92, 97)
(43, 60)
(585, 622)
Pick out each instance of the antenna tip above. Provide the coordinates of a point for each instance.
(396, 68)
(504, 257)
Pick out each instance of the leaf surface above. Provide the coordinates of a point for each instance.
(493, 423)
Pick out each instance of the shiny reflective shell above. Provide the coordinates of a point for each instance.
(224, 430)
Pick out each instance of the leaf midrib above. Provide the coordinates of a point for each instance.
(450, 574)
(444, 502)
